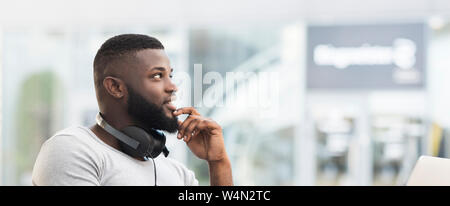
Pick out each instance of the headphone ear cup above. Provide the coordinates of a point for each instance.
(146, 142)
(159, 141)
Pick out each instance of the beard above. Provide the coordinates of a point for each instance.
(149, 115)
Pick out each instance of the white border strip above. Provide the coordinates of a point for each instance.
(1, 111)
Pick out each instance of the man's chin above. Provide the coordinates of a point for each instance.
(171, 130)
(171, 123)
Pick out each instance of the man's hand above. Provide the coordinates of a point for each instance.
(204, 138)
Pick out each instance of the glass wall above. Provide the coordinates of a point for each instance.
(284, 123)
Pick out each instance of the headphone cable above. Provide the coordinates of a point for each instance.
(154, 169)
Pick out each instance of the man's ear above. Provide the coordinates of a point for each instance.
(114, 86)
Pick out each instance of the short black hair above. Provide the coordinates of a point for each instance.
(120, 47)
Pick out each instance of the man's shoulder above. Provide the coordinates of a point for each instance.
(71, 143)
(68, 158)
(75, 130)
(71, 137)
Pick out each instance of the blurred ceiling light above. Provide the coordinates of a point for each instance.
(436, 22)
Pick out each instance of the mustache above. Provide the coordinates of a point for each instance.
(171, 98)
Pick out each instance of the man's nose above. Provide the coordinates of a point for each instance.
(171, 87)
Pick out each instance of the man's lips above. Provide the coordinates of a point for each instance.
(169, 104)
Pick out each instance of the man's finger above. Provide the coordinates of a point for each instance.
(183, 125)
(179, 124)
(190, 128)
(186, 110)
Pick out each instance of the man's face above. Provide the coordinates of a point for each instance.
(150, 91)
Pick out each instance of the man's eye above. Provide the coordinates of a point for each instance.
(157, 76)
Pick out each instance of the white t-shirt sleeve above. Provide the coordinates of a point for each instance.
(190, 179)
(187, 175)
(64, 160)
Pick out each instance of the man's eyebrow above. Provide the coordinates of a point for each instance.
(163, 69)
(158, 68)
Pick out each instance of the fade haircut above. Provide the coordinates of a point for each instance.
(120, 48)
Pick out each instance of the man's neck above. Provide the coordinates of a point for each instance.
(108, 138)
(105, 137)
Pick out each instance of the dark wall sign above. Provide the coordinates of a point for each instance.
(366, 57)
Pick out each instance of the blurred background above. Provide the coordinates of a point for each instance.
(359, 87)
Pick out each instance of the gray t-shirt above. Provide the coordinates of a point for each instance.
(75, 156)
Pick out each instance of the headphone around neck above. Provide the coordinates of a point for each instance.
(136, 141)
